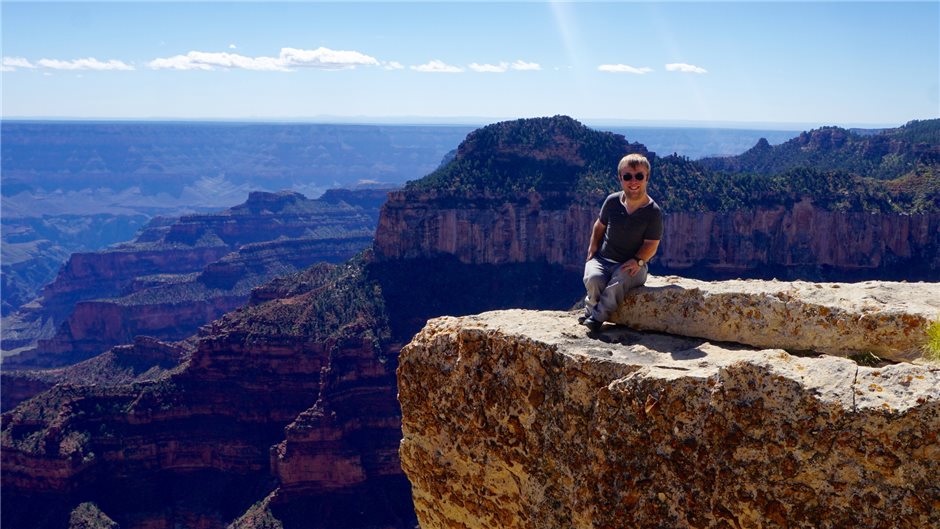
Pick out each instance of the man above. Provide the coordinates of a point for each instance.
(625, 237)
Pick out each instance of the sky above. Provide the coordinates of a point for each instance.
(737, 63)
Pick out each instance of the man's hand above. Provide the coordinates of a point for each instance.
(591, 253)
(631, 266)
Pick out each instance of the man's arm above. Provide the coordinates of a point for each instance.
(646, 252)
(597, 235)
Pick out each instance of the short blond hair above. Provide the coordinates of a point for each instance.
(632, 161)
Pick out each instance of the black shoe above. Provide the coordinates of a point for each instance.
(581, 318)
(592, 324)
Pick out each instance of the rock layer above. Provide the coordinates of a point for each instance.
(516, 419)
(802, 241)
(880, 317)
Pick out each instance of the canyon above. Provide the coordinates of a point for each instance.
(282, 412)
(193, 446)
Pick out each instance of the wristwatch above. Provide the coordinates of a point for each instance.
(639, 262)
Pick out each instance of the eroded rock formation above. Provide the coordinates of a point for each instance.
(182, 273)
(517, 419)
(145, 359)
(194, 446)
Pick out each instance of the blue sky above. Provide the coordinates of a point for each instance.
(806, 63)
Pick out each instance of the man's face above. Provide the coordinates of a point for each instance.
(633, 188)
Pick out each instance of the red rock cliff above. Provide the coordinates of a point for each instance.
(480, 230)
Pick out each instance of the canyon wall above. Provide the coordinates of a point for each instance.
(799, 241)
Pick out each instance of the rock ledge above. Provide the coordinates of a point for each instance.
(886, 318)
(518, 419)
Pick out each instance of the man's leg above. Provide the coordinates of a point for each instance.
(596, 276)
(613, 294)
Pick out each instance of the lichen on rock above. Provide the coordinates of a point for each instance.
(519, 419)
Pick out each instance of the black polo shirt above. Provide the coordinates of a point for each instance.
(625, 233)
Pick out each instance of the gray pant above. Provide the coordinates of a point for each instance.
(607, 282)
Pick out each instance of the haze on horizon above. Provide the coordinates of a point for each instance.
(758, 65)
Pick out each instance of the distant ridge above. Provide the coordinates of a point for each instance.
(884, 155)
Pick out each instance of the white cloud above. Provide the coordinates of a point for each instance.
(393, 65)
(10, 64)
(525, 66)
(623, 68)
(179, 62)
(326, 58)
(200, 60)
(232, 47)
(505, 66)
(437, 66)
(287, 60)
(685, 68)
(84, 64)
(490, 68)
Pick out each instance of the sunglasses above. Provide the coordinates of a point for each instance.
(638, 176)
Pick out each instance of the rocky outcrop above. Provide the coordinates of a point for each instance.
(802, 241)
(517, 419)
(180, 274)
(884, 318)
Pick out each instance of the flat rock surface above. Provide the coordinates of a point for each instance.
(523, 419)
(888, 319)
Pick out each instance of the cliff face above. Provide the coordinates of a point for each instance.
(180, 274)
(195, 444)
(802, 241)
(517, 419)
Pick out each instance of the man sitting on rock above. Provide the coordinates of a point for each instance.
(627, 232)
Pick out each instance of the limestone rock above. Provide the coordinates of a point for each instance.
(518, 419)
(885, 318)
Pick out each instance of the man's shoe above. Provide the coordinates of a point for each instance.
(592, 324)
